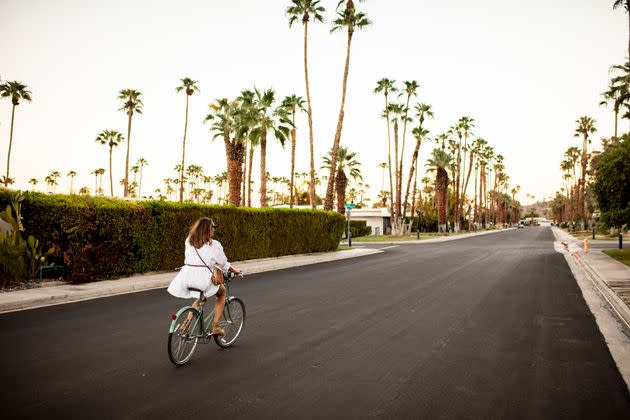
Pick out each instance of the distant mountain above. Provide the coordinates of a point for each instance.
(542, 209)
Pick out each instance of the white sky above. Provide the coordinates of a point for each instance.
(525, 71)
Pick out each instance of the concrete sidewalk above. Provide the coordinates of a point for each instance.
(609, 276)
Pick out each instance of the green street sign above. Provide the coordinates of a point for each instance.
(348, 206)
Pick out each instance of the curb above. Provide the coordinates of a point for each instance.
(619, 306)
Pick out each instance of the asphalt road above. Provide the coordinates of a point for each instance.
(492, 326)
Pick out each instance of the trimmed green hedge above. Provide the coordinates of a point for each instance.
(358, 228)
(99, 238)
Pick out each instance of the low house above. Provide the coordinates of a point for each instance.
(378, 219)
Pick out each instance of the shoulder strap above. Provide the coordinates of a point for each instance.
(204, 263)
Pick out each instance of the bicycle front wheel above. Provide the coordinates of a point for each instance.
(232, 322)
(183, 340)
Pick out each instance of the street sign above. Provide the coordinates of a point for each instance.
(348, 206)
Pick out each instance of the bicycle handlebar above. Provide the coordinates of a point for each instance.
(229, 276)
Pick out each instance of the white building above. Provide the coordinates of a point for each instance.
(378, 219)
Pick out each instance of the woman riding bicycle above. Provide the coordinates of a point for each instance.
(202, 255)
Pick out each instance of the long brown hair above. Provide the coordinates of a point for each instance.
(199, 234)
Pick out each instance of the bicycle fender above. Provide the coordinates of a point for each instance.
(172, 327)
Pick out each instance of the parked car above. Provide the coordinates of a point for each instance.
(520, 226)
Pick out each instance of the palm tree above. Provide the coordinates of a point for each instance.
(347, 164)
(423, 111)
(396, 111)
(383, 166)
(131, 104)
(33, 182)
(439, 163)
(266, 119)
(189, 86)
(351, 19)
(49, 182)
(71, 174)
(292, 104)
(227, 125)
(245, 121)
(419, 133)
(586, 126)
(52, 179)
(84, 191)
(16, 91)
(110, 138)
(304, 9)
(619, 91)
(142, 162)
(626, 5)
(95, 173)
(463, 129)
(386, 86)
(410, 90)
(132, 186)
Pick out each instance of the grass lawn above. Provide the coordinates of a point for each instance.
(621, 255)
(588, 234)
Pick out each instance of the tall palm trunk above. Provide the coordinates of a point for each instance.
(581, 189)
(181, 174)
(456, 181)
(414, 159)
(235, 155)
(309, 112)
(6, 184)
(400, 169)
(389, 164)
(140, 184)
(396, 193)
(263, 170)
(466, 183)
(340, 188)
(441, 185)
(415, 189)
(483, 203)
(328, 205)
(475, 199)
(126, 186)
(244, 191)
(249, 178)
(111, 178)
(293, 140)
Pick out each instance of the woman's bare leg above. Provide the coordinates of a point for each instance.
(219, 303)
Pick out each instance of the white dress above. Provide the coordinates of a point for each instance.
(192, 276)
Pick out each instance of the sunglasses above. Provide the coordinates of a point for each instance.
(214, 226)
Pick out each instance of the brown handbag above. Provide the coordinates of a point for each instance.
(217, 275)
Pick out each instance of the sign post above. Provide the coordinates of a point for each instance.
(349, 207)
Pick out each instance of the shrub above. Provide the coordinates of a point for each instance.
(358, 228)
(98, 237)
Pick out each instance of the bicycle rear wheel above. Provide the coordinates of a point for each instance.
(232, 322)
(183, 340)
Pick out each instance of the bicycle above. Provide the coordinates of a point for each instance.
(189, 326)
